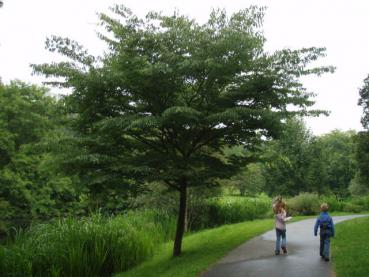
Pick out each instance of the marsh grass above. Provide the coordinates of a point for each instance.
(218, 211)
(228, 210)
(94, 246)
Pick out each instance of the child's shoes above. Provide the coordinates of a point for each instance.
(284, 249)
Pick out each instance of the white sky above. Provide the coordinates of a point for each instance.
(339, 25)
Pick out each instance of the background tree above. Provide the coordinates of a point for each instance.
(249, 181)
(339, 166)
(29, 190)
(362, 140)
(172, 94)
(361, 182)
(364, 103)
(287, 160)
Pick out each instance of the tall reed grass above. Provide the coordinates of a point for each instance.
(230, 209)
(93, 246)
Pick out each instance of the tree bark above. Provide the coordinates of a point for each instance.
(181, 217)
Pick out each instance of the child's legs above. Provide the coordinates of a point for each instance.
(326, 246)
(321, 245)
(278, 241)
(284, 240)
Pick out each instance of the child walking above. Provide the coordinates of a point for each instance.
(279, 208)
(325, 223)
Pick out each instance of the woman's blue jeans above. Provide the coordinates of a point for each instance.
(281, 235)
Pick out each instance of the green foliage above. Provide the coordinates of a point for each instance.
(363, 202)
(334, 204)
(230, 209)
(171, 94)
(155, 196)
(358, 188)
(198, 207)
(299, 162)
(350, 248)
(304, 204)
(206, 208)
(249, 182)
(29, 190)
(338, 161)
(364, 103)
(362, 141)
(94, 246)
(362, 158)
(309, 204)
(351, 207)
(288, 159)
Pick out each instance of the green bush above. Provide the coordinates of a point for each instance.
(363, 202)
(304, 204)
(309, 204)
(352, 208)
(334, 204)
(93, 246)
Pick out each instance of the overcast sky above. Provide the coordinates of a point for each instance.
(340, 26)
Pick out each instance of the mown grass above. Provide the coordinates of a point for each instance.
(350, 248)
(200, 250)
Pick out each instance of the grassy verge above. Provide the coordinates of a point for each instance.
(199, 250)
(350, 248)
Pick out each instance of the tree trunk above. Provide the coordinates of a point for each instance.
(181, 217)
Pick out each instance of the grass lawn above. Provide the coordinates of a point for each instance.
(350, 248)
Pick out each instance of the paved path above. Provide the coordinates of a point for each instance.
(256, 257)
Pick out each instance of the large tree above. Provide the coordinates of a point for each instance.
(172, 94)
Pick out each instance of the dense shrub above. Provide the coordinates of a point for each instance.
(304, 204)
(352, 208)
(335, 205)
(93, 246)
(308, 204)
(363, 202)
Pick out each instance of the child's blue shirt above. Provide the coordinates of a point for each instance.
(324, 217)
